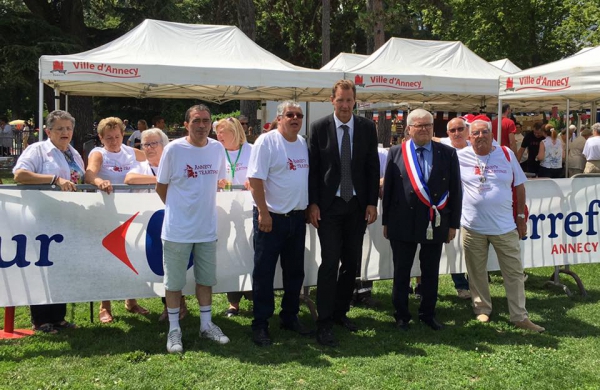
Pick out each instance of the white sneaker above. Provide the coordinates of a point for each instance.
(174, 344)
(215, 333)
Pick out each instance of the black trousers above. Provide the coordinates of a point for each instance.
(341, 231)
(48, 314)
(429, 256)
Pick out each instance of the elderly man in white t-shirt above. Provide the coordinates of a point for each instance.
(186, 182)
(488, 173)
(278, 175)
(591, 151)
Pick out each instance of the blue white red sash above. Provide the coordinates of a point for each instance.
(417, 180)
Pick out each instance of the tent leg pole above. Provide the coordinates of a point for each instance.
(568, 122)
(40, 111)
(499, 119)
(56, 99)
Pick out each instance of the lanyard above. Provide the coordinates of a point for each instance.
(232, 166)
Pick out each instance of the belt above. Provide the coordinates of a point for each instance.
(289, 213)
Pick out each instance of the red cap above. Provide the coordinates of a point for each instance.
(468, 118)
(481, 117)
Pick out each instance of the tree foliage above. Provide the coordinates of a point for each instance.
(529, 32)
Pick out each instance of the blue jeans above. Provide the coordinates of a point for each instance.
(460, 281)
(285, 241)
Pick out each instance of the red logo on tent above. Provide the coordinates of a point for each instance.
(58, 68)
(510, 84)
(358, 80)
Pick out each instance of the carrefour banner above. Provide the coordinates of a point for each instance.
(80, 247)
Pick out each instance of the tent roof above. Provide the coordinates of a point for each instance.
(576, 78)
(344, 61)
(436, 72)
(506, 65)
(174, 60)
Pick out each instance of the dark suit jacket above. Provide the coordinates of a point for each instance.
(325, 167)
(405, 216)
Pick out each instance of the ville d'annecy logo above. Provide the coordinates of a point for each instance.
(115, 243)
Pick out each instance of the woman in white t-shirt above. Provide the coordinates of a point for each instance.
(551, 155)
(237, 154)
(108, 165)
(55, 162)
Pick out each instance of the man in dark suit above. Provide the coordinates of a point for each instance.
(343, 189)
(422, 199)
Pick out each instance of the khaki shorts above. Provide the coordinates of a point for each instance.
(176, 257)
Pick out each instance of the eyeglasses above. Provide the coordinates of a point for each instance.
(152, 145)
(459, 129)
(294, 115)
(477, 133)
(426, 126)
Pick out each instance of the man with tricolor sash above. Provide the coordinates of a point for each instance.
(422, 200)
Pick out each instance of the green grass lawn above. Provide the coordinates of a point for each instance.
(131, 354)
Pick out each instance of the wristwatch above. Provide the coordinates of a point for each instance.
(521, 216)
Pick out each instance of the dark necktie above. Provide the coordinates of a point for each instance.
(346, 161)
(421, 159)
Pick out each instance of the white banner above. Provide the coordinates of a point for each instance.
(81, 247)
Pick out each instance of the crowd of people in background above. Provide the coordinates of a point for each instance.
(332, 180)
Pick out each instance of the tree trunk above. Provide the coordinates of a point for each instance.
(247, 23)
(378, 27)
(368, 34)
(326, 33)
(81, 108)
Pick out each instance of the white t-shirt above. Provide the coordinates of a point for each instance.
(238, 159)
(47, 159)
(144, 168)
(487, 207)
(131, 140)
(115, 166)
(192, 173)
(283, 167)
(591, 150)
(554, 153)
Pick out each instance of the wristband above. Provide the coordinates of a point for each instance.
(54, 179)
(521, 216)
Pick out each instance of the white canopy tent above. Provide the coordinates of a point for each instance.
(576, 78)
(173, 60)
(439, 73)
(506, 65)
(344, 61)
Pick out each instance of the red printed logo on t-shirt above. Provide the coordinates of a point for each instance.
(291, 165)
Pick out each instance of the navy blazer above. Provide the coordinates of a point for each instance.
(405, 216)
(325, 167)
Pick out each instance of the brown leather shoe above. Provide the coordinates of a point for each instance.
(528, 325)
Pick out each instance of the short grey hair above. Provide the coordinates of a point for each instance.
(286, 104)
(459, 118)
(596, 127)
(155, 131)
(488, 124)
(418, 113)
(56, 115)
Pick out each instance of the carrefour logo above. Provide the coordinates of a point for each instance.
(114, 242)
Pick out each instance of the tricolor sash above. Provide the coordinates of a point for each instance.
(417, 180)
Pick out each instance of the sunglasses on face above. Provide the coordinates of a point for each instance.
(294, 115)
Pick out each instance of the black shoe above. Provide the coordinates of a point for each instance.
(325, 337)
(297, 327)
(432, 323)
(402, 325)
(261, 337)
(346, 323)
